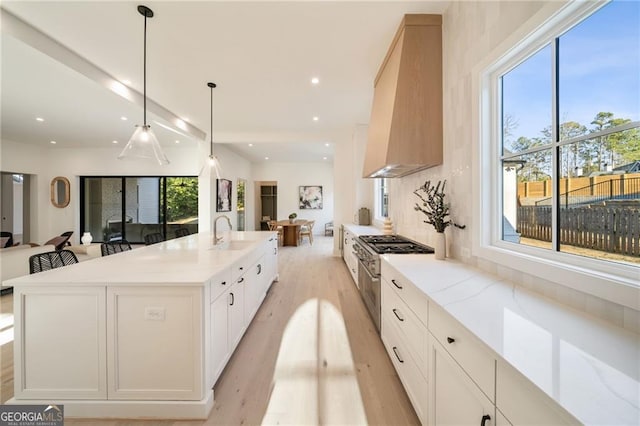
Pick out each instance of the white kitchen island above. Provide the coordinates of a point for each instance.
(143, 333)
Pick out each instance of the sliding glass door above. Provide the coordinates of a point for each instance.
(126, 207)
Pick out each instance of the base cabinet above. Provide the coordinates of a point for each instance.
(65, 328)
(151, 330)
(219, 335)
(349, 257)
(455, 398)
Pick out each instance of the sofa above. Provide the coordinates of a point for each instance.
(14, 261)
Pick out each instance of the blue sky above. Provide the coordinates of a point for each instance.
(599, 71)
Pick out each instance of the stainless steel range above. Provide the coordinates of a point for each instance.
(368, 249)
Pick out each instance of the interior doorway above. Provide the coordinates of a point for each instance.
(14, 206)
(267, 202)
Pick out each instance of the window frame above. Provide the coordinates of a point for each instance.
(380, 183)
(604, 279)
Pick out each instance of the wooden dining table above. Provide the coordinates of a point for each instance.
(291, 231)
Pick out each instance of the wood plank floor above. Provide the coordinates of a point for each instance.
(310, 356)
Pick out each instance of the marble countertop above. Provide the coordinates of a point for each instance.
(190, 260)
(358, 230)
(589, 367)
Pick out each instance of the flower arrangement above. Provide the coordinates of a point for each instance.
(434, 207)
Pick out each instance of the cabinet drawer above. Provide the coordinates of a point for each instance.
(220, 283)
(415, 299)
(414, 383)
(465, 348)
(414, 333)
(241, 266)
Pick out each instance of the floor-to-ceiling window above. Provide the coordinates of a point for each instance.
(131, 207)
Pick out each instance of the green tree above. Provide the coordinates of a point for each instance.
(182, 198)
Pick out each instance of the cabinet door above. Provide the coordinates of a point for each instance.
(154, 343)
(455, 399)
(219, 334)
(236, 313)
(271, 262)
(60, 343)
(253, 290)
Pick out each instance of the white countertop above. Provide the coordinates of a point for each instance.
(358, 230)
(589, 367)
(190, 260)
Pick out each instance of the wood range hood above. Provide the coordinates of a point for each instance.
(405, 130)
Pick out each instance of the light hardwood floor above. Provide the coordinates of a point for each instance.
(310, 356)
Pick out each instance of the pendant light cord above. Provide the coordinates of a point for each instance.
(144, 71)
(211, 85)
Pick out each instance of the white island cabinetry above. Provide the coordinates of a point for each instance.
(143, 333)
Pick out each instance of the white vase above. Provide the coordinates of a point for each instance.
(86, 238)
(440, 246)
(387, 228)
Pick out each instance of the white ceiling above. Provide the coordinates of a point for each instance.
(261, 54)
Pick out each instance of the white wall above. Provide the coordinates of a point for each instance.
(46, 163)
(289, 177)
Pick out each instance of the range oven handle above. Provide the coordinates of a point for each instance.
(371, 277)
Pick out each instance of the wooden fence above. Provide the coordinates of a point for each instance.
(609, 229)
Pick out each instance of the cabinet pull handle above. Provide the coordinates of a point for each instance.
(395, 351)
(223, 283)
(396, 284)
(233, 299)
(450, 339)
(259, 268)
(484, 419)
(241, 280)
(395, 311)
(275, 251)
(241, 268)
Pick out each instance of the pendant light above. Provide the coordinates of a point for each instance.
(144, 144)
(214, 164)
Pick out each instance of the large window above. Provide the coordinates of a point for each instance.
(569, 138)
(130, 208)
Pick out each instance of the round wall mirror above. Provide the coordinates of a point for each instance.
(60, 191)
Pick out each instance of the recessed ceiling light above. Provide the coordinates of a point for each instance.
(54, 142)
(114, 141)
(177, 141)
(316, 118)
(39, 119)
(127, 82)
(324, 158)
(266, 158)
(250, 144)
(326, 144)
(315, 80)
(123, 118)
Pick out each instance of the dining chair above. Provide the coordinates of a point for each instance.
(50, 260)
(307, 229)
(113, 247)
(153, 238)
(273, 226)
(328, 229)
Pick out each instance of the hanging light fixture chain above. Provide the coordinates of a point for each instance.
(211, 85)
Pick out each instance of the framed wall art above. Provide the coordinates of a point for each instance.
(311, 197)
(223, 197)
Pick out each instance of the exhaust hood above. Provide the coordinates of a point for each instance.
(405, 130)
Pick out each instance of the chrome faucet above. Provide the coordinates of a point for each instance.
(217, 240)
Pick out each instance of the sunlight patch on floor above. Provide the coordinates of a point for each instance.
(6, 328)
(314, 381)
